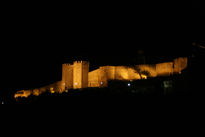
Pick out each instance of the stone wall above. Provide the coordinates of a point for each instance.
(133, 74)
(85, 70)
(149, 70)
(164, 69)
(78, 75)
(109, 71)
(180, 64)
(97, 78)
(67, 76)
(121, 73)
(23, 93)
(53, 88)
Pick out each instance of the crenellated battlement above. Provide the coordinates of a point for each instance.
(81, 62)
(77, 75)
(67, 64)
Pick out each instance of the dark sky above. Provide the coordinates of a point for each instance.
(38, 41)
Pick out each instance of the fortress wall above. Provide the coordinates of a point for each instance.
(164, 69)
(53, 88)
(56, 87)
(133, 75)
(109, 71)
(121, 73)
(180, 64)
(93, 78)
(97, 78)
(80, 74)
(85, 70)
(103, 78)
(67, 76)
(36, 92)
(77, 75)
(150, 69)
(23, 93)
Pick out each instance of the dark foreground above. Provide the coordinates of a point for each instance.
(161, 87)
(166, 106)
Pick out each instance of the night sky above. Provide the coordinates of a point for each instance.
(37, 42)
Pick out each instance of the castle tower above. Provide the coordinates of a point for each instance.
(80, 74)
(67, 76)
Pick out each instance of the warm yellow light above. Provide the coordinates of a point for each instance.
(100, 77)
(144, 76)
(22, 93)
(51, 90)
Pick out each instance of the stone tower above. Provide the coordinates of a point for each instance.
(80, 74)
(67, 76)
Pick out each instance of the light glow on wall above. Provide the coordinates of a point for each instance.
(52, 90)
(101, 76)
(143, 76)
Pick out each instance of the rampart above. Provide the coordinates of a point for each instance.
(77, 75)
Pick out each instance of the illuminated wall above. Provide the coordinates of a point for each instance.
(149, 70)
(23, 93)
(67, 76)
(164, 69)
(100, 77)
(121, 73)
(78, 75)
(180, 64)
(97, 78)
(109, 72)
(133, 74)
(85, 71)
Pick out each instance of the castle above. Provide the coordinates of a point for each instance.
(77, 75)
